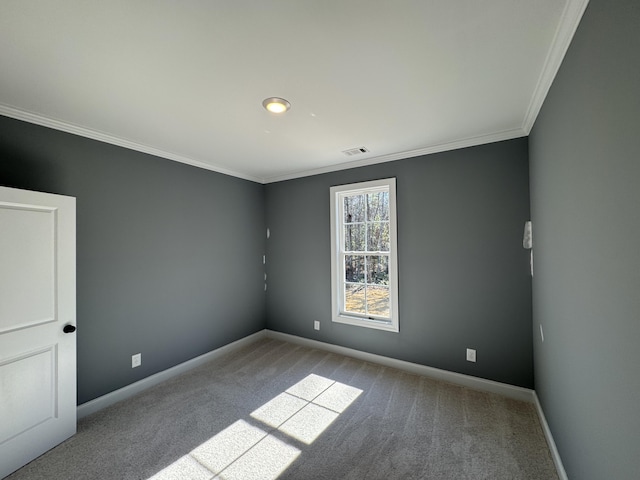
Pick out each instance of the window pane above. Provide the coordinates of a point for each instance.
(378, 300)
(378, 237)
(377, 206)
(354, 268)
(354, 209)
(354, 237)
(354, 298)
(378, 269)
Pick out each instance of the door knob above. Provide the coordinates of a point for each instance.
(68, 329)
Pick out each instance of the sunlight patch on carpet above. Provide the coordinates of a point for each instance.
(308, 423)
(277, 411)
(307, 408)
(184, 468)
(267, 460)
(243, 451)
(310, 387)
(227, 446)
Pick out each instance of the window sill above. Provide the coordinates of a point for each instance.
(360, 322)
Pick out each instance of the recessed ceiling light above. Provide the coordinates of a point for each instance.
(276, 104)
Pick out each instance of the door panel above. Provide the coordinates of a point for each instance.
(37, 298)
(29, 383)
(27, 248)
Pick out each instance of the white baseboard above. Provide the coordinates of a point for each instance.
(476, 383)
(555, 455)
(123, 393)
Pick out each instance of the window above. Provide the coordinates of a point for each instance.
(364, 272)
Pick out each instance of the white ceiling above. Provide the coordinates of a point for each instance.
(185, 80)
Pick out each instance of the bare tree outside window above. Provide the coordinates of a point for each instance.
(366, 261)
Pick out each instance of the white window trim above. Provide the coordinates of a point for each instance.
(337, 267)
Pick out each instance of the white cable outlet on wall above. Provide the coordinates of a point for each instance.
(471, 355)
(136, 360)
(316, 325)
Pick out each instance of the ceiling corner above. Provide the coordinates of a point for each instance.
(571, 16)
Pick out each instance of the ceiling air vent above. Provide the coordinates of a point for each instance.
(355, 151)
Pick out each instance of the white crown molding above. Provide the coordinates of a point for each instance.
(442, 147)
(41, 120)
(571, 16)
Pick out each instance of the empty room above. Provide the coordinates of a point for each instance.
(319, 240)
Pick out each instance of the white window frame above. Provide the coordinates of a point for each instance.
(337, 253)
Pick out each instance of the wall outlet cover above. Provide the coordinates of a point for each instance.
(136, 360)
(471, 355)
(316, 325)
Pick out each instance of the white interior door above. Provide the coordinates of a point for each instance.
(37, 302)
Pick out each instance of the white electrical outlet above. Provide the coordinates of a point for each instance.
(136, 360)
(316, 325)
(541, 334)
(471, 355)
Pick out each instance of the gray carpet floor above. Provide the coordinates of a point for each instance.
(277, 410)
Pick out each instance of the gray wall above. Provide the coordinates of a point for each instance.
(585, 202)
(463, 274)
(169, 257)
